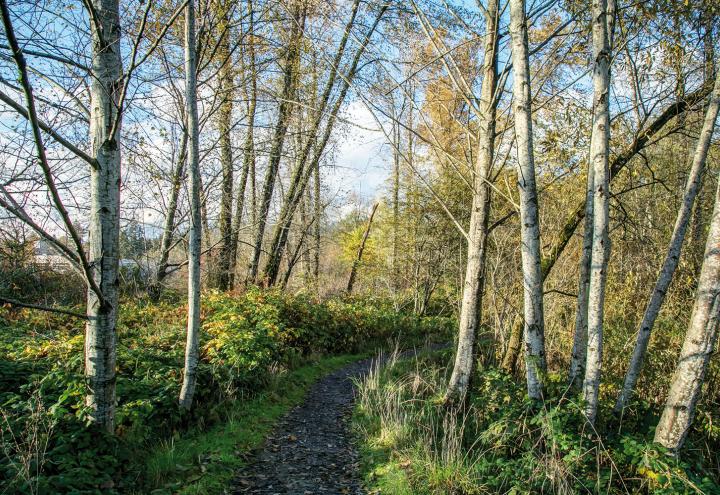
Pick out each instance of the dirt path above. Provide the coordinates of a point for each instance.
(310, 451)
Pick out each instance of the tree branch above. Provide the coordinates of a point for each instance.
(20, 304)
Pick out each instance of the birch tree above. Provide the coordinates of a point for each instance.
(471, 306)
(698, 346)
(602, 15)
(195, 241)
(670, 263)
(534, 324)
(579, 349)
(99, 264)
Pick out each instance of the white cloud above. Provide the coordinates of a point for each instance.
(361, 165)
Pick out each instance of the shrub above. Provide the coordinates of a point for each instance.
(243, 338)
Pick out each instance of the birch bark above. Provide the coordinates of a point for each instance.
(471, 307)
(602, 13)
(193, 323)
(579, 350)
(698, 346)
(534, 325)
(104, 225)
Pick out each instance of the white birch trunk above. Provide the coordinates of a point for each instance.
(579, 350)
(698, 346)
(193, 323)
(104, 225)
(599, 160)
(471, 308)
(694, 181)
(534, 325)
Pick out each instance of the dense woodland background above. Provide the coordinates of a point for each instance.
(173, 242)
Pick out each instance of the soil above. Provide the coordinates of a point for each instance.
(311, 449)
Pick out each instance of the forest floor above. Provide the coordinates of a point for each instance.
(311, 449)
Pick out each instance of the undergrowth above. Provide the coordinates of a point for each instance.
(501, 442)
(249, 343)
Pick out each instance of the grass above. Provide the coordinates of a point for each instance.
(500, 442)
(204, 462)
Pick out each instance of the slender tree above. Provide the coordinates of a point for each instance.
(471, 308)
(603, 13)
(579, 349)
(192, 353)
(699, 344)
(361, 249)
(534, 324)
(248, 165)
(226, 90)
(670, 263)
(166, 241)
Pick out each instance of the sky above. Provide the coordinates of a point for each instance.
(361, 165)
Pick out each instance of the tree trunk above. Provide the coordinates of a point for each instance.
(292, 198)
(513, 349)
(603, 12)
(708, 75)
(193, 323)
(694, 182)
(289, 83)
(305, 256)
(356, 263)
(471, 308)
(104, 225)
(396, 208)
(225, 111)
(643, 139)
(579, 350)
(248, 168)
(169, 226)
(534, 329)
(698, 346)
(316, 229)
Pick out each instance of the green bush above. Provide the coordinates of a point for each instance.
(48, 444)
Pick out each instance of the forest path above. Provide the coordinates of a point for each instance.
(310, 451)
